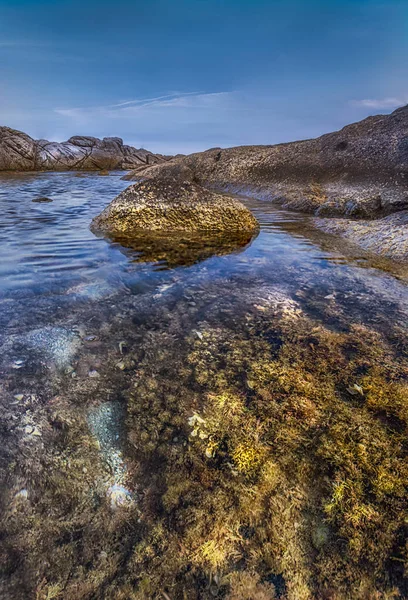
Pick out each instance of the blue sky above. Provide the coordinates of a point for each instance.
(185, 75)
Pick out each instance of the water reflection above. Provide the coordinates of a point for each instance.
(180, 249)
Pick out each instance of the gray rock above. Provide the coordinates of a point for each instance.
(19, 152)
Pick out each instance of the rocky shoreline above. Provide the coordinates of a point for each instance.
(360, 172)
(354, 182)
(20, 152)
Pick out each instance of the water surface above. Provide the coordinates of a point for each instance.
(85, 321)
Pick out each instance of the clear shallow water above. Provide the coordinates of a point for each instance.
(50, 257)
(84, 321)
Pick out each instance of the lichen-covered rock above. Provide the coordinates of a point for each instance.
(168, 204)
(20, 152)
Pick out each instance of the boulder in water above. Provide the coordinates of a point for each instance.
(168, 200)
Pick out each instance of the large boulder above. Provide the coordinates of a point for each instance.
(19, 152)
(170, 201)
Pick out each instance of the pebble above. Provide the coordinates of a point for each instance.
(18, 364)
(119, 497)
(94, 374)
(31, 430)
(121, 366)
(23, 494)
(19, 397)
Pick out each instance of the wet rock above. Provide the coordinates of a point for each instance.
(387, 237)
(352, 207)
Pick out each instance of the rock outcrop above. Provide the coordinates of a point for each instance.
(359, 172)
(19, 152)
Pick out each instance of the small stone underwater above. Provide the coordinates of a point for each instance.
(227, 421)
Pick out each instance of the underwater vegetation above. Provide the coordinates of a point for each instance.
(265, 454)
(273, 459)
(232, 430)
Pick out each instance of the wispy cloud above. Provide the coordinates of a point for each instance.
(188, 100)
(381, 103)
(21, 44)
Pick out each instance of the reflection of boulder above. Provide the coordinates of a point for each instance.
(181, 248)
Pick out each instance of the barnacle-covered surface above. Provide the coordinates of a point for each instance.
(233, 429)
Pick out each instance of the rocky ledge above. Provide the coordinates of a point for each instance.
(20, 152)
(360, 172)
(386, 237)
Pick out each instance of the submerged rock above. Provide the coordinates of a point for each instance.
(42, 199)
(175, 249)
(106, 422)
(56, 345)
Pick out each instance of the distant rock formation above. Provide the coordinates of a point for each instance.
(358, 172)
(20, 152)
